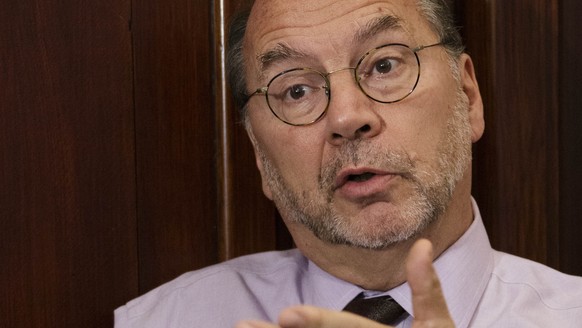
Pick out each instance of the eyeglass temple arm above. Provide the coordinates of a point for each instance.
(419, 48)
(259, 91)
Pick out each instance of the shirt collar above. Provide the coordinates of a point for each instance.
(322, 289)
(463, 269)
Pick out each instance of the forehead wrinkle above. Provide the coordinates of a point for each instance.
(377, 25)
(283, 52)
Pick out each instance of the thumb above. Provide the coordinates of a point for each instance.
(429, 305)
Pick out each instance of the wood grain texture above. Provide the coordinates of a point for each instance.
(570, 137)
(515, 47)
(67, 214)
(175, 138)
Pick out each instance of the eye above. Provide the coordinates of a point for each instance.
(383, 66)
(385, 63)
(295, 87)
(297, 91)
(300, 92)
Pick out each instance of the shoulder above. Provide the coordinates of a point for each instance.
(525, 293)
(235, 282)
(556, 289)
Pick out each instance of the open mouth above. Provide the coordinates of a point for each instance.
(361, 177)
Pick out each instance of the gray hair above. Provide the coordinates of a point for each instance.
(235, 62)
(438, 13)
(440, 17)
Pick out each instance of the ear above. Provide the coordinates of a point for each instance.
(259, 161)
(471, 89)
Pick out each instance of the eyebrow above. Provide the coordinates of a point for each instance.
(282, 52)
(377, 25)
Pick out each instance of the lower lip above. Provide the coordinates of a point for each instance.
(357, 190)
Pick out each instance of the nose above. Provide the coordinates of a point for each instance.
(350, 115)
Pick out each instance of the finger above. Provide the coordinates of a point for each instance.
(313, 317)
(429, 305)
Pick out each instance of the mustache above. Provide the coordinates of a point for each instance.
(362, 153)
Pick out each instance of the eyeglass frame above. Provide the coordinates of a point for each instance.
(265, 90)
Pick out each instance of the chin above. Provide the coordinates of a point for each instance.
(376, 228)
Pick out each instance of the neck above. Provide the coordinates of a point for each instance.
(385, 269)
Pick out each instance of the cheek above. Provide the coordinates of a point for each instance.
(433, 105)
(418, 127)
(294, 152)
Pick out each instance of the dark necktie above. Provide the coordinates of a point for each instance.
(383, 309)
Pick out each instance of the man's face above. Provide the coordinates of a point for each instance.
(367, 174)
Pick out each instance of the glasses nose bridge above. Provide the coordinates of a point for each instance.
(353, 75)
(339, 70)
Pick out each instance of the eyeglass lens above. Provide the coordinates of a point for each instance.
(385, 74)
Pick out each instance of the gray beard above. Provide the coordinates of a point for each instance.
(432, 188)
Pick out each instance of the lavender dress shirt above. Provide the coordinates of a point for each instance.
(483, 288)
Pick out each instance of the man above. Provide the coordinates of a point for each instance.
(368, 159)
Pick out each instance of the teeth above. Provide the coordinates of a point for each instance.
(362, 177)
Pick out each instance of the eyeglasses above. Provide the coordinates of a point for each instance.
(386, 74)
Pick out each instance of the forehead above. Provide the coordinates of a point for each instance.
(324, 22)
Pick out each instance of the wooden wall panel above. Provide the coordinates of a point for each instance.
(67, 213)
(175, 138)
(570, 137)
(514, 44)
